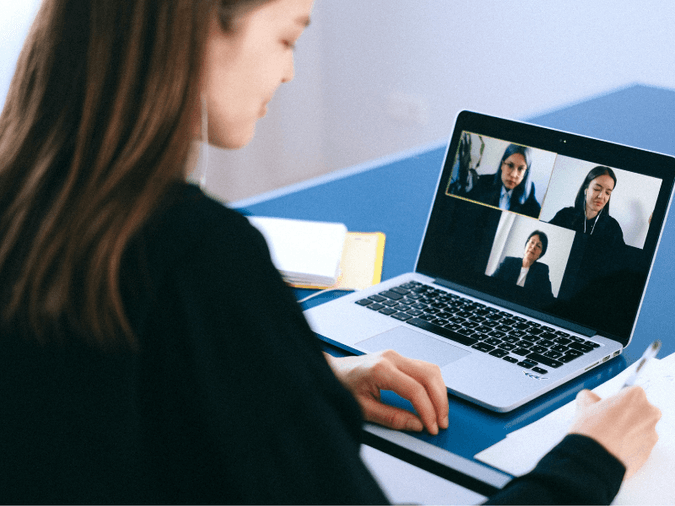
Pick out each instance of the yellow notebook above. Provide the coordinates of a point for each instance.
(361, 263)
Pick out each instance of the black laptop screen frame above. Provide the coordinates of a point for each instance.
(601, 284)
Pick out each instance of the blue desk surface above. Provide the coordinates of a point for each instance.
(394, 195)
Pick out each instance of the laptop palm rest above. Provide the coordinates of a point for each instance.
(410, 343)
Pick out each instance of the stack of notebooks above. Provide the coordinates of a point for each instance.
(321, 255)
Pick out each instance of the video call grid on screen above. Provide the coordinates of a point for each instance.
(583, 278)
(557, 179)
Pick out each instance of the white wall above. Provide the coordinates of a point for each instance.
(516, 58)
(15, 19)
(380, 76)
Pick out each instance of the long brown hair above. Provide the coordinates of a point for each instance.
(96, 127)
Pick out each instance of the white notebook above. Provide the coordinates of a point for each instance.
(304, 252)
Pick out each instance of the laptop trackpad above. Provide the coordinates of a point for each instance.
(410, 343)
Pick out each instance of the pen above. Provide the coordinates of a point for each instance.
(650, 352)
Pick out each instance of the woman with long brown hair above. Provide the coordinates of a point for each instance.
(136, 312)
(149, 350)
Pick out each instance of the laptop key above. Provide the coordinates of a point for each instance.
(364, 302)
(391, 295)
(527, 364)
(402, 291)
(483, 347)
(542, 359)
(401, 316)
(499, 353)
(442, 331)
(580, 347)
(574, 353)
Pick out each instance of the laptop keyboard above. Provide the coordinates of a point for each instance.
(503, 335)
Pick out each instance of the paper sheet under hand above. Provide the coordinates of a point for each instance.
(520, 451)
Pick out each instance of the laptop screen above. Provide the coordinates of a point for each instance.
(556, 225)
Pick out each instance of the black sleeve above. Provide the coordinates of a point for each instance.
(482, 190)
(499, 273)
(276, 426)
(617, 234)
(562, 218)
(531, 206)
(546, 289)
(577, 471)
(505, 269)
(557, 219)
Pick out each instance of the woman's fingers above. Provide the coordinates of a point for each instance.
(417, 381)
(433, 387)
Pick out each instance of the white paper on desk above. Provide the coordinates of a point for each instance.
(654, 483)
(520, 451)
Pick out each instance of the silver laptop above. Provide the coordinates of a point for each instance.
(526, 276)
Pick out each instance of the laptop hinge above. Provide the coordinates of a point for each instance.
(532, 313)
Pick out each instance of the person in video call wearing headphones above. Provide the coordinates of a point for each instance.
(150, 351)
(590, 213)
(510, 188)
(527, 271)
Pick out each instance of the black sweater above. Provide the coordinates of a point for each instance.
(229, 399)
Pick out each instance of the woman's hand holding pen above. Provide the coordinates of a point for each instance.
(419, 382)
(625, 424)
